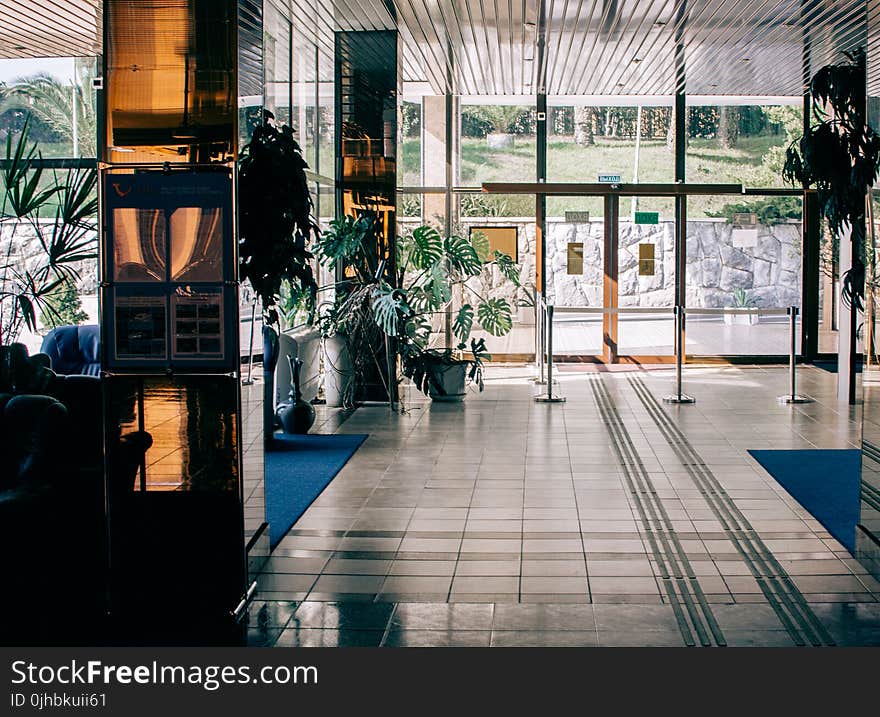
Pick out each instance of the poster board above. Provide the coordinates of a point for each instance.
(503, 239)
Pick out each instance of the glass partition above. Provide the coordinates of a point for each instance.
(741, 143)
(632, 141)
(745, 254)
(497, 141)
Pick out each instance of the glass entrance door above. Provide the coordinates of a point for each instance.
(645, 281)
(574, 274)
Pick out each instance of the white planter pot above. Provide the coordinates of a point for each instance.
(453, 379)
(525, 315)
(338, 372)
(500, 140)
(741, 319)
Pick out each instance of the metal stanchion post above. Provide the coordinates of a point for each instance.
(249, 380)
(793, 397)
(678, 396)
(540, 320)
(549, 397)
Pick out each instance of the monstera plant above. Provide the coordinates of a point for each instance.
(432, 271)
(839, 155)
(275, 222)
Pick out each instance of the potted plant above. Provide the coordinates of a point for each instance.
(350, 335)
(275, 225)
(431, 270)
(839, 155)
(742, 300)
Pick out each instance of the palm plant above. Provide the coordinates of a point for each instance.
(839, 155)
(47, 229)
(65, 109)
(430, 268)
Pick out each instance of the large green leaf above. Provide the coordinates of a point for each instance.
(463, 322)
(342, 240)
(437, 286)
(480, 242)
(507, 267)
(389, 307)
(425, 247)
(419, 331)
(462, 256)
(495, 317)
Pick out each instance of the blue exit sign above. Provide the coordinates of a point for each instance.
(609, 179)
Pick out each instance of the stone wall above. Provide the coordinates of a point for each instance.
(769, 273)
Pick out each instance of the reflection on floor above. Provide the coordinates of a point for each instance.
(611, 519)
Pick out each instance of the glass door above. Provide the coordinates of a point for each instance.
(645, 277)
(574, 274)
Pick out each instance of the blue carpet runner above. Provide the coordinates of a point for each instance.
(825, 482)
(298, 468)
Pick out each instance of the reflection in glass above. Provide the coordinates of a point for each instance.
(171, 68)
(139, 327)
(198, 323)
(138, 244)
(192, 421)
(197, 244)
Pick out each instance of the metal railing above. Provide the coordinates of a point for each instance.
(544, 342)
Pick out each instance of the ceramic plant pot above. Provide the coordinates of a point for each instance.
(452, 379)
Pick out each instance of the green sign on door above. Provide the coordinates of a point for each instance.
(647, 217)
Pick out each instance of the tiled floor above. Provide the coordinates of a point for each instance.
(612, 519)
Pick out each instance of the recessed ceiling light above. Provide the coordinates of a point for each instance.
(19, 47)
(660, 23)
(636, 60)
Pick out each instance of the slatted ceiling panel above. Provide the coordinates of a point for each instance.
(608, 47)
(592, 47)
(874, 48)
(49, 28)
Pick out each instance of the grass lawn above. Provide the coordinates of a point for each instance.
(707, 162)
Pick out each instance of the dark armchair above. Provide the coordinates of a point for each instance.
(74, 350)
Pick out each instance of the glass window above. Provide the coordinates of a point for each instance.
(632, 141)
(277, 60)
(410, 150)
(305, 119)
(57, 95)
(326, 117)
(497, 143)
(746, 255)
(741, 143)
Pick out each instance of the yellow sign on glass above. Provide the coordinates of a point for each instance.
(646, 260)
(575, 258)
(503, 239)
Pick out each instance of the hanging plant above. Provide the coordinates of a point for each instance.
(839, 155)
(276, 223)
